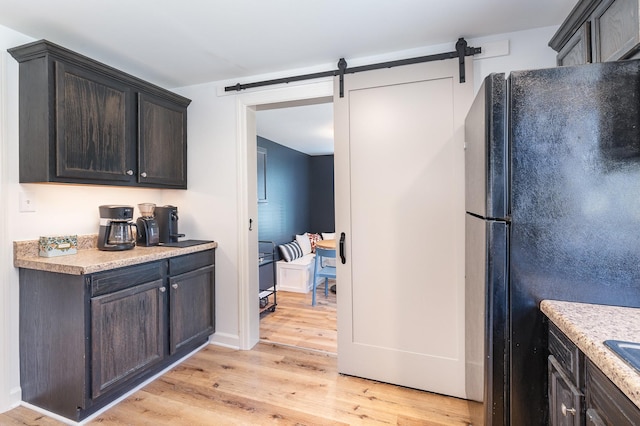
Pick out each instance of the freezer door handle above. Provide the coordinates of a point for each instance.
(343, 259)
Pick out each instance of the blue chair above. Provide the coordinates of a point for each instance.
(320, 271)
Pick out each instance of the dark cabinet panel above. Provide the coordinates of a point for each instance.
(127, 334)
(93, 126)
(615, 29)
(577, 51)
(565, 399)
(192, 307)
(162, 129)
(567, 355)
(53, 318)
(607, 403)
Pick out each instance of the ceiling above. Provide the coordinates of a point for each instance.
(181, 43)
(305, 128)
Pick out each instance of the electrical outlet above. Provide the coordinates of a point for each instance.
(27, 203)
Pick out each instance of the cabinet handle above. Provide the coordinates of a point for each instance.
(174, 285)
(566, 410)
(143, 174)
(130, 172)
(163, 289)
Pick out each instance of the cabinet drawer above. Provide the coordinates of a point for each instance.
(567, 354)
(189, 262)
(130, 276)
(606, 402)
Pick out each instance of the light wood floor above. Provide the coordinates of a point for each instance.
(272, 384)
(295, 322)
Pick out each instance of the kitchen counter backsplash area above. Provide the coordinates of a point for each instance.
(588, 326)
(89, 259)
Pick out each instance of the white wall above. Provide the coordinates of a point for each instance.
(527, 50)
(208, 209)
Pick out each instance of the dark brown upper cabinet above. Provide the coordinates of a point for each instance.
(161, 123)
(598, 31)
(84, 122)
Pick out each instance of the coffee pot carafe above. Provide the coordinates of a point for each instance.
(116, 231)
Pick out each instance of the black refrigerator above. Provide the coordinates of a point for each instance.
(552, 171)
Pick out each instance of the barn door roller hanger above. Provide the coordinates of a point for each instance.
(462, 50)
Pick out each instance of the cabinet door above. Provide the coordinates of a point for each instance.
(615, 30)
(94, 126)
(577, 51)
(565, 400)
(127, 334)
(162, 138)
(606, 403)
(192, 302)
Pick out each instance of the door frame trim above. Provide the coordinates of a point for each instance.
(246, 104)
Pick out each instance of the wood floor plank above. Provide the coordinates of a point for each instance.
(296, 323)
(25, 416)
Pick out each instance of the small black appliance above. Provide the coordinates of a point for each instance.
(148, 231)
(115, 231)
(167, 217)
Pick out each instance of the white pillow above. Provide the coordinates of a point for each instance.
(328, 235)
(304, 243)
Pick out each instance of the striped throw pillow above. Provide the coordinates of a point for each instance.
(290, 251)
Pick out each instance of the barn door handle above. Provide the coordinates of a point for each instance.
(342, 258)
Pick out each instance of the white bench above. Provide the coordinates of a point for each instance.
(297, 275)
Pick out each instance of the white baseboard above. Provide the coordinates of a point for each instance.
(226, 340)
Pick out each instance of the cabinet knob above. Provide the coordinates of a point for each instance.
(143, 174)
(163, 289)
(566, 410)
(130, 172)
(174, 285)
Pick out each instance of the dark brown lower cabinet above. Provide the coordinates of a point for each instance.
(191, 308)
(127, 334)
(579, 392)
(86, 340)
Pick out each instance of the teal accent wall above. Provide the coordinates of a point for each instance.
(299, 192)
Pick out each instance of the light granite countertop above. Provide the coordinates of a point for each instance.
(588, 326)
(89, 259)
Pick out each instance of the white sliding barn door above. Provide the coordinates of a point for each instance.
(399, 159)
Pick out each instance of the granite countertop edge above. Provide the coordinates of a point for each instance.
(589, 325)
(89, 259)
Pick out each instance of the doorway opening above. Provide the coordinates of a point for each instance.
(295, 197)
(246, 157)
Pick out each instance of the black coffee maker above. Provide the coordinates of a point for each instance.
(148, 231)
(167, 217)
(115, 231)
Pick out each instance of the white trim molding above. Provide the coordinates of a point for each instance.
(249, 321)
